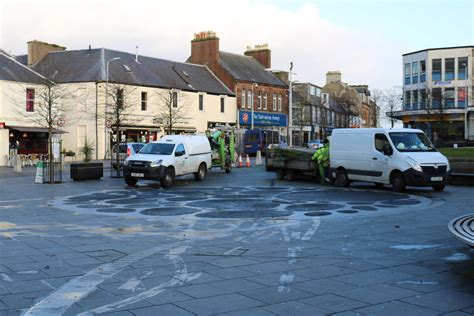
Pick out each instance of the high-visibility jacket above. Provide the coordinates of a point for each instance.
(321, 156)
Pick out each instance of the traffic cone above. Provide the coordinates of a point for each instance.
(240, 161)
(258, 159)
(247, 163)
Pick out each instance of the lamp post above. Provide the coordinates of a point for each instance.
(466, 103)
(106, 142)
(290, 105)
(254, 85)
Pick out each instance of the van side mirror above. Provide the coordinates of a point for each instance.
(179, 153)
(387, 150)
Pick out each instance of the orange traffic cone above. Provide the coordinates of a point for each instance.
(240, 161)
(247, 163)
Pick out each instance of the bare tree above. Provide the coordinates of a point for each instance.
(301, 119)
(392, 102)
(51, 106)
(348, 107)
(172, 108)
(377, 98)
(119, 112)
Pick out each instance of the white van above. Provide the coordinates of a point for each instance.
(399, 157)
(172, 155)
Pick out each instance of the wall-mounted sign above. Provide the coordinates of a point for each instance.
(442, 83)
(2, 124)
(262, 118)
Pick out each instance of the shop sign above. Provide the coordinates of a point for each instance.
(2, 124)
(442, 83)
(262, 118)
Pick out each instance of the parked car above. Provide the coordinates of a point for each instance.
(399, 157)
(314, 144)
(172, 155)
(125, 150)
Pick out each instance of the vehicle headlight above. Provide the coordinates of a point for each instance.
(414, 164)
(156, 163)
(126, 162)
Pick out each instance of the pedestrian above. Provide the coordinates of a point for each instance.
(321, 157)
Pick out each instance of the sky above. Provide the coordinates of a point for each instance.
(363, 39)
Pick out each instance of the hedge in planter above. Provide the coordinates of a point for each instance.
(87, 170)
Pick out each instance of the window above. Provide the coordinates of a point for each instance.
(144, 100)
(437, 95)
(180, 150)
(279, 102)
(222, 104)
(415, 100)
(312, 90)
(265, 101)
(449, 69)
(274, 102)
(436, 70)
(30, 100)
(242, 106)
(449, 97)
(462, 68)
(407, 100)
(462, 97)
(381, 141)
(174, 99)
(119, 95)
(422, 70)
(259, 100)
(201, 102)
(414, 69)
(407, 73)
(249, 99)
(423, 99)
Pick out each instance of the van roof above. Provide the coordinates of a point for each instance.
(177, 138)
(373, 130)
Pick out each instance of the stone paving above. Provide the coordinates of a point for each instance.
(238, 244)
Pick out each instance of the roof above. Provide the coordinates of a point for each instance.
(12, 70)
(247, 68)
(374, 129)
(439, 48)
(89, 65)
(22, 59)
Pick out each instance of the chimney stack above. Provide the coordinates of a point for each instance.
(333, 77)
(261, 53)
(205, 49)
(37, 50)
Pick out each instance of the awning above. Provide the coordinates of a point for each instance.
(28, 129)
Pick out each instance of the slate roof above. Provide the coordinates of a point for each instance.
(12, 70)
(247, 68)
(89, 65)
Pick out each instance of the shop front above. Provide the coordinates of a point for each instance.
(264, 120)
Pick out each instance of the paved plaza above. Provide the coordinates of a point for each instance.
(235, 244)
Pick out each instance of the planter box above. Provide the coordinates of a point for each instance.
(87, 171)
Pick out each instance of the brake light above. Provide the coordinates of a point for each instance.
(128, 152)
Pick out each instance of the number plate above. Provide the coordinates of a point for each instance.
(138, 175)
(436, 178)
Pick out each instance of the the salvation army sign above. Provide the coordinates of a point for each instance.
(262, 118)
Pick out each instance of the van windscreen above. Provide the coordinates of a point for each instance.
(157, 149)
(411, 142)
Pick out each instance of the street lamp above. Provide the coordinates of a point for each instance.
(254, 85)
(466, 103)
(107, 103)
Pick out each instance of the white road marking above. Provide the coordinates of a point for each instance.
(310, 232)
(232, 250)
(418, 282)
(76, 289)
(285, 279)
(293, 252)
(28, 272)
(47, 284)
(415, 247)
(6, 278)
(458, 256)
(284, 232)
(181, 276)
(132, 284)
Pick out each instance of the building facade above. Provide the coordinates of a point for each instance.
(262, 98)
(437, 93)
(91, 82)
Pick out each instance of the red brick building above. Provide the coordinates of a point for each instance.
(248, 77)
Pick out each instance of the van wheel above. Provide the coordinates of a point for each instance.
(168, 178)
(342, 180)
(398, 182)
(201, 173)
(438, 187)
(131, 182)
(280, 173)
(290, 175)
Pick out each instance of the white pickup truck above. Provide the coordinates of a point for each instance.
(171, 156)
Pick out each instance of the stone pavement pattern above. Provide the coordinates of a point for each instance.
(242, 244)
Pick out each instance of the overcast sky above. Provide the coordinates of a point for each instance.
(364, 39)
